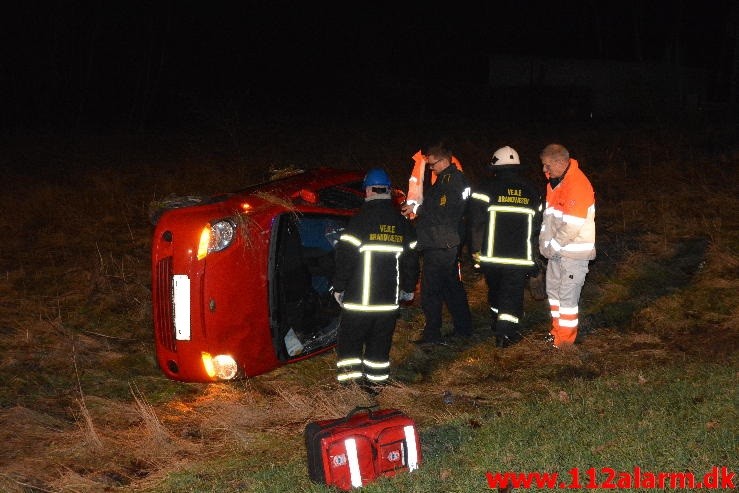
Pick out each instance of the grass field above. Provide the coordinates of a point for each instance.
(653, 382)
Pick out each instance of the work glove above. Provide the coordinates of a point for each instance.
(405, 296)
(339, 297)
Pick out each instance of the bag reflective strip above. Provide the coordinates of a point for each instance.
(351, 456)
(410, 439)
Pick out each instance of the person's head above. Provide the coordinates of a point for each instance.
(376, 182)
(554, 159)
(505, 157)
(438, 155)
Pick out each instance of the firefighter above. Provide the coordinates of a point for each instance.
(506, 218)
(567, 239)
(439, 227)
(376, 268)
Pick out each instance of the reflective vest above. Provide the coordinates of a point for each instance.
(506, 217)
(568, 227)
(373, 258)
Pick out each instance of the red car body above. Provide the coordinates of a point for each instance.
(263, 300)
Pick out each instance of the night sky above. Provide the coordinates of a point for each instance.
(127, 64)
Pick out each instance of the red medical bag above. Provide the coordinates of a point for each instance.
(355, 450)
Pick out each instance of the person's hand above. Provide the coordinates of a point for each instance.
(405, 296)
(409, 208)
(339, 297)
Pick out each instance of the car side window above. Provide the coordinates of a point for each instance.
(344, 196)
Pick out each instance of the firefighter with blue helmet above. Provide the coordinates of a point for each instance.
(376, 269)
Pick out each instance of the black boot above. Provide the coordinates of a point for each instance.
(506, 340)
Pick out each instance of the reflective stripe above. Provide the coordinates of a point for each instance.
(380, 248)
(466, 193)
(504, 260)
(494, 309)
(369, 308)
(554, 307)
(578, 221)
(508, 208)
(568, 316)
(351, 456)
(481, 196)
(377, 378)
(349, 376)
(376, 364)
(366, 278)
(412, 245)
(368, 251)
(493, 211)
(507, 318)
(410, 442)
(348, 362)
(578, 247)
(350, 239)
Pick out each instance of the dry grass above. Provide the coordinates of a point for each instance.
(83, 406)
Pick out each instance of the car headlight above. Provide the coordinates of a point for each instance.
(215, 237)
(221, 366)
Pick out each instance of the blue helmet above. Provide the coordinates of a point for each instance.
(376, 177)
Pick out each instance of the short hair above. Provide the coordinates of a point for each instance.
(555, 152)
(437, 147)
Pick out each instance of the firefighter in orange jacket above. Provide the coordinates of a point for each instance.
(506, 218)
(376, 268)
(567, 239)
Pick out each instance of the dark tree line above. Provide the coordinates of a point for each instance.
(132, 65)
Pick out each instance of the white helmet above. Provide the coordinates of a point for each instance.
(505, 156)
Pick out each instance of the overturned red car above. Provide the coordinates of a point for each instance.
(240, 281)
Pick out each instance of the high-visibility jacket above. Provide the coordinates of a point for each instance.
(506, 218)
(375, 258)
(568, 226)
(416, 181)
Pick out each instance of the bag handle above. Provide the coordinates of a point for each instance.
(358, 409)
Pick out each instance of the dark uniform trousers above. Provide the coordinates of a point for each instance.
(364, 349)
(505, 297)
(440, 284)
